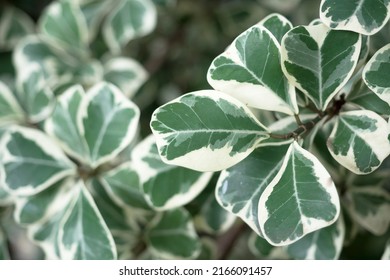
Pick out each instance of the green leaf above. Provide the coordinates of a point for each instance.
(374, 73)
(108, 122)
(83, 234)
(250, 71)
(301, 198)
(362, 16)
(206, 131)
(386, 253)
(323, 244)
(4, 252)
(129, 20)
(62, 124)
(172, 236)
(34, 94)
(319, 61)
(165, 186)
(88, 73)
(125, 73)
(359, 141)
(31, 161)
(277, 24)
(64, 25)
(239, 187)
(124, 187)
(14, 25)
(10, 111)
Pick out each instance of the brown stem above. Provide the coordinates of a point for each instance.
(227, 242)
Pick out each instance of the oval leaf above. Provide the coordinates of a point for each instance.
(277, 24)
(319, 61)
(302, 198)
(10, 111)
(250, 71)
(206, 131)
(361, 16)
(359, 141)
(31, 162)
(83, 234)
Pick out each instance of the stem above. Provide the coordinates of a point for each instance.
(228, 241)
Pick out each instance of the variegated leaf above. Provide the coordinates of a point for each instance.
(206, 131)
(125, 73)
(31, 161)
(83, 234)
(124, 187)
(10, 110)
(319, 61)
(165, 186)
(14, 25)
(250, 71)
(107, 121)
(300, 199)
(323, 244)
(239, 187)
(362, 16)
(64, 25)
(34, 94)
(359, 141)
(277, 24)
(172, 236)
(130, 19)
(374, 73)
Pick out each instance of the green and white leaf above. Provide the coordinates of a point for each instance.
(323, 244)
(361, 16)
(239, 187)
(359, 141)
(277, 24)
(31, 162)
(124, 187)
(129, 20)
(41, 207)
(125, 73)
(83, 234)
(374, 73)
(369, 206)
(165, 186)
(64, 25)
(88, 74)
(260, 248)
(386, 253)
(300, 199)
(172, 236)
(206, 131)
(10, 110)
(34, 94)
(14, 25)
(319, 61)
(107, 121)
(250, 71)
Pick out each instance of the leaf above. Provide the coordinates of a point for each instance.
(300, 199)
(361, 16)
(129, 20)
(124, 187)
(14, 25)
(165, 186)
(94, 12)
(125, 73)
(319, 61)
(64, 25)
(206, 131)
(10, 111)
(34, 94)
(83, 234)
(31, 162)
(359, 141)
(250, 71)
(374, 73)
(62, 124)
(172, 236)
(108, 122)
(277, 24)
(323, 244)
(239, 187)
